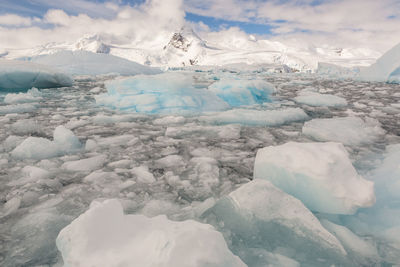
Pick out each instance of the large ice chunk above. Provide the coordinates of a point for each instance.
(320, 100)
(41, 148)
(88, 63)
(386, 68)
(319, 174)
(238, 92)
(259, 215)
(20, 75)
(162, 93)
(104, 236)
(348, 130)
(257, 117)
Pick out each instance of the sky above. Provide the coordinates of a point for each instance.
(369, 24)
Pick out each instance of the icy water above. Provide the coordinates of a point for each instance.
(182, 185)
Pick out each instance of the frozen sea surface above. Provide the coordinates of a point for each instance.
(191, 168)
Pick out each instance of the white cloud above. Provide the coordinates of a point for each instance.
(368, 23)
(14, 20)
(147, 23)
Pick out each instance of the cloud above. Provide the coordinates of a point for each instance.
(14, 20)
(143, 24)
(367, 23)
(330, 23)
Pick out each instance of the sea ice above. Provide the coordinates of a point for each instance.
(320, 100)
(239, 92)
(41, 148)
(319, 174)
(259, 215)
(347, 130)
(104, 236)
(257, 117)
(209, 132)
(88, 63)
(19, 75)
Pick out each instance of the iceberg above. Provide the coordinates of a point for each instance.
(88, 63)
(319, 174)
(386, 68)
(41, 148)
(162, 93)
(104, 236)
(260, 215)
(20, 75)
(348, 130)
(238, 92)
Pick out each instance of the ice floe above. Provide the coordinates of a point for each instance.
(346, 130)
(321, 175)
(257, 117)
(320, 100)
(104, 236)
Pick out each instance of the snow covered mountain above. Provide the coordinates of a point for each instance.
(185, 48)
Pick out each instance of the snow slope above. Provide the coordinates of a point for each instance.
(89, 63)
(185, 48)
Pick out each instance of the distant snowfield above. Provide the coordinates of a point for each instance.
(186, 48)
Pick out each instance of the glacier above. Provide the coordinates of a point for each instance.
(19, 75)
